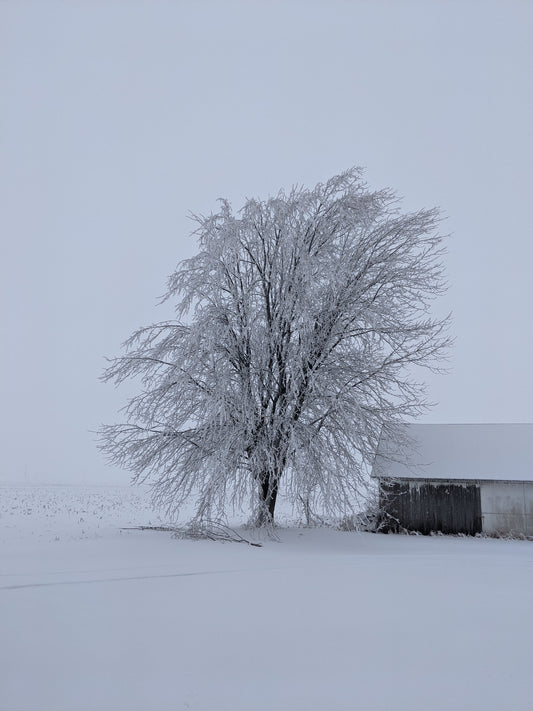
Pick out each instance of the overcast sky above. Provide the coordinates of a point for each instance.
(118, 118)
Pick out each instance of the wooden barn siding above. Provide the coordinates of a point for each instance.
(427, 507)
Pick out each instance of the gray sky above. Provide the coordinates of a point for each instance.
(118, 118)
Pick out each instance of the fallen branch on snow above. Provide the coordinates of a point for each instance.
(209, 530)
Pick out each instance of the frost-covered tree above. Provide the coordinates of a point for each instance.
(297, 327)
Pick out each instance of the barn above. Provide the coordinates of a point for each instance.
(460, 478)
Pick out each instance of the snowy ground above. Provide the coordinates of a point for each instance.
(93, 618)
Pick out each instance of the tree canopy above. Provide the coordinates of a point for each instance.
(297, 328)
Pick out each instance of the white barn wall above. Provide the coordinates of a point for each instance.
(507, 507)
(528, 503)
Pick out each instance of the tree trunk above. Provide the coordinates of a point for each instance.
(268, 493)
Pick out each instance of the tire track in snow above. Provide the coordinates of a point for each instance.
(117, 580)
(58, 583)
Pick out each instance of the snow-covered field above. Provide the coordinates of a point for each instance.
(98, 619)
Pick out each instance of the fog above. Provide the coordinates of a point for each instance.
(119, 119)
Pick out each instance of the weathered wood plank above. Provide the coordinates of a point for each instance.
(431, 506)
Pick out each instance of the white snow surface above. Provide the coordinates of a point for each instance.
(490, 452)
(95, 618)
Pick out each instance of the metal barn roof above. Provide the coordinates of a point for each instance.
(490, 452)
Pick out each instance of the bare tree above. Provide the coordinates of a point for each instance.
(297, 326)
